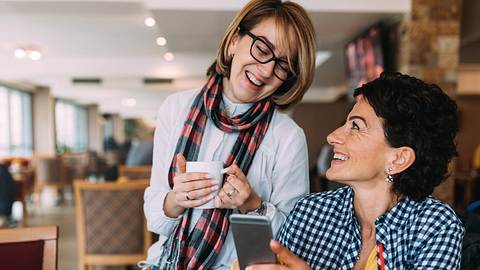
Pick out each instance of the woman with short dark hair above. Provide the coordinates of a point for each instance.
(392, 151)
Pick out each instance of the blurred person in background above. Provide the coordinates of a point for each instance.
(7, 195)
(141, 150)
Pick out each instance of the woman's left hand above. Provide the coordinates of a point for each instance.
(237, 192)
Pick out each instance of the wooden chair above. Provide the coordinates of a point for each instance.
(29, 248)
(76, 166)
(134, 172)
(111, 226)
(49, 171)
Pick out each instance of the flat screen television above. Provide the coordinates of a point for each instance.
(366, 57)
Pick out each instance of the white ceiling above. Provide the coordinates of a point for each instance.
(108, 40)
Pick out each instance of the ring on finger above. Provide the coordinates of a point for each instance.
(187, 196)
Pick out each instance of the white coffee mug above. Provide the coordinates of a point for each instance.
(214, 168)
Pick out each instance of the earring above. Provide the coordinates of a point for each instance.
(389, 178)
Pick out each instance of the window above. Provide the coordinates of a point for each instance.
(4, 123)
(15, 122)
(71, 124)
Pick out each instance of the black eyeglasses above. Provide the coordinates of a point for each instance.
(263, 53)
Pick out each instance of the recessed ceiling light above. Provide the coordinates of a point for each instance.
(20, 53)
(28, 52)
(35, 55)
(169, 56)
(129, 102)
(149, 22)
(161, 41)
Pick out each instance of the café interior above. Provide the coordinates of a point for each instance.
(81, 83)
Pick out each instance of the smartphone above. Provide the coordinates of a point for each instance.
(252, 235)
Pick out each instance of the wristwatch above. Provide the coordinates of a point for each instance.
(259, 211)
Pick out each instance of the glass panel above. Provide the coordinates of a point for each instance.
(4, 126)
(107, 128)
(71, 127)
(27, 140)
(60, 120)
(20, 123)
(82, 125)
(15, 123)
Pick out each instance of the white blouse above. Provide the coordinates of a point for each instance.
(278, 174)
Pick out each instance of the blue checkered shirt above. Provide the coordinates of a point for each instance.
(322, 230)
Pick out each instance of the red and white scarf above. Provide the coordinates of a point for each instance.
(200, 248)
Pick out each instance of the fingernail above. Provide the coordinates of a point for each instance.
(215, 187)
(224, 170)
(207, 175)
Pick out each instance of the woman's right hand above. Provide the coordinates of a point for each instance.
(189, 190)
(287, 259)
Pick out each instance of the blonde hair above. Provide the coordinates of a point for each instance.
(290, 18)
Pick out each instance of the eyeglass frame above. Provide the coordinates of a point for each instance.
(274, 58)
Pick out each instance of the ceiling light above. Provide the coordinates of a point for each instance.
(161, 41)
(149, 22)
(34, 55)
(169, 56)
(129, 102)
(30, 52)
(322, 57)
(20, 53)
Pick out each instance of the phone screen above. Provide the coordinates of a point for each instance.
(252, 235)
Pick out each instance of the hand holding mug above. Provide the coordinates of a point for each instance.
(190, 189)
(237, 192)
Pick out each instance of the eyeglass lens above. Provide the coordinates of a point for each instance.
(261, 52)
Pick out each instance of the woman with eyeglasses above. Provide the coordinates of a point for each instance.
(264, 65)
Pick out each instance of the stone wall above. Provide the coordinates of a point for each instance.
(434, 37)
(433, 42)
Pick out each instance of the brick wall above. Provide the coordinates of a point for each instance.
(433, 37)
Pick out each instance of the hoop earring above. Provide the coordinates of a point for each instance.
(389, 177)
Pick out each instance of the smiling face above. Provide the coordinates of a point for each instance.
(251, 81)
(361, 152)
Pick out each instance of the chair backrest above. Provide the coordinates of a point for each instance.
(111, 226)
(135, 172)
(29, 248)
(49, 170)
(76, 165)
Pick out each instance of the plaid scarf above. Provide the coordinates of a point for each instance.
(200, 248)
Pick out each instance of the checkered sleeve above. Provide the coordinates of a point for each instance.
(289, 233)
(311, 230)
(441, 246)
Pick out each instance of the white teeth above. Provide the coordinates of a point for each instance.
(253, 79)
(340, 157)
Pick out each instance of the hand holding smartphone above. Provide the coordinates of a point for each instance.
(252, 235)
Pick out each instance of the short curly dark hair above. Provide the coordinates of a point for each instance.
(421, 116)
